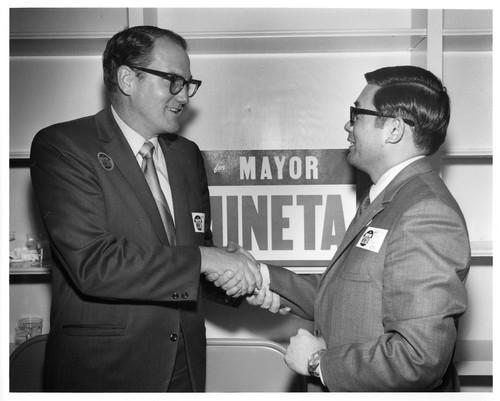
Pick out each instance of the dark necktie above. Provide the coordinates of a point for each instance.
(364, 203)
(149, 170)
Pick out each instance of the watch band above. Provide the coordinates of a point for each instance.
(313, 363)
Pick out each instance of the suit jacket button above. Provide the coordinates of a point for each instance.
(184, 295)
(173, 337)
(175, 295)
(317, 332)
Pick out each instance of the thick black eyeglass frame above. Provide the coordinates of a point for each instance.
(354, 111)
(174, 80)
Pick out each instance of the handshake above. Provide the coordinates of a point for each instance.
(237, 272)
(233, 268)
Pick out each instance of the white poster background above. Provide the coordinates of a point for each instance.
(294, 213)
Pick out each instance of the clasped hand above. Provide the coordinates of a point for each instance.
(301, 347)
(267, 299)
(232, 268)
(262, 296)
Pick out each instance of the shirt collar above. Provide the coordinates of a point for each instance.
(388, 176)
(134, 139)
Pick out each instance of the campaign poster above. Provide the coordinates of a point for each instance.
(287, 207)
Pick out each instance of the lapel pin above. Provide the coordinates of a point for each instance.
(106, 161)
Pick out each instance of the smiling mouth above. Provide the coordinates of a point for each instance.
(175, 110)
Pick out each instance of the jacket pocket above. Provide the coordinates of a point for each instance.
(361, 277)
(357, 269)
(94, 330)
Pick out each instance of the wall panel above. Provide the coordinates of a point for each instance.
(204, 20)
(471, 182)
(270, 101)
(67, 20)
(468, 77)
(47, 90)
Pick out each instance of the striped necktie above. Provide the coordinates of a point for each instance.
(149, 170)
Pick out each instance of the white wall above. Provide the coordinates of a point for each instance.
(47, 90)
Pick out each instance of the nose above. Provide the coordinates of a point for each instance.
(182, 97)
(348, 126)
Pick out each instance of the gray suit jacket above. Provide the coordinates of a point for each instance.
(389, 303)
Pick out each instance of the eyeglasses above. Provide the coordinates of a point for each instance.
(176, 82)
(355, 111)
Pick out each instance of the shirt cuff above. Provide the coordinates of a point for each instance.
(266, 278)
(266, 281)
(321, 374)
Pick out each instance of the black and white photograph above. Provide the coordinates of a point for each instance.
(240, 199)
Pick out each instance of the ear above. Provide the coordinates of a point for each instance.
(125, 77)
(396, 130)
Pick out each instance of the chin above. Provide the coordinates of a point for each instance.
(172, 128)
(351, 159)
(349, 156)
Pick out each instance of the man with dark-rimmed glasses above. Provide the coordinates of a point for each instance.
(125, 203)
(386, 309)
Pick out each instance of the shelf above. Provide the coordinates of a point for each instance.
(314, 41)
(19, 155)
(299, 41)
(66, 44)
(481, 249)
(19, 268)
(311, 41)
(467, 153)
(474, 368)
(474, 357)
(447, 154)
(464, 40)
(19, 159)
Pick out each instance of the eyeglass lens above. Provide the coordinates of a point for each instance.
(355, 111)
(178, 83)
(352, 115)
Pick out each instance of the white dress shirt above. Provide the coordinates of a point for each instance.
(388, 176)
(136, 141)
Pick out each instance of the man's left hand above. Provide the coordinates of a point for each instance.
(301, 347)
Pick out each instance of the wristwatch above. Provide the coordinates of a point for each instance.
(313, 363)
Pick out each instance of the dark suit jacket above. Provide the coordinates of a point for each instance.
(389, 314)
(120, 293)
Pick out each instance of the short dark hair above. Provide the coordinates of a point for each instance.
(418, 95)
(133, 47)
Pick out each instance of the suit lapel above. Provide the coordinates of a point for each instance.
(180, 198)
(415, 169)
(356, 226)
(119, 150)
